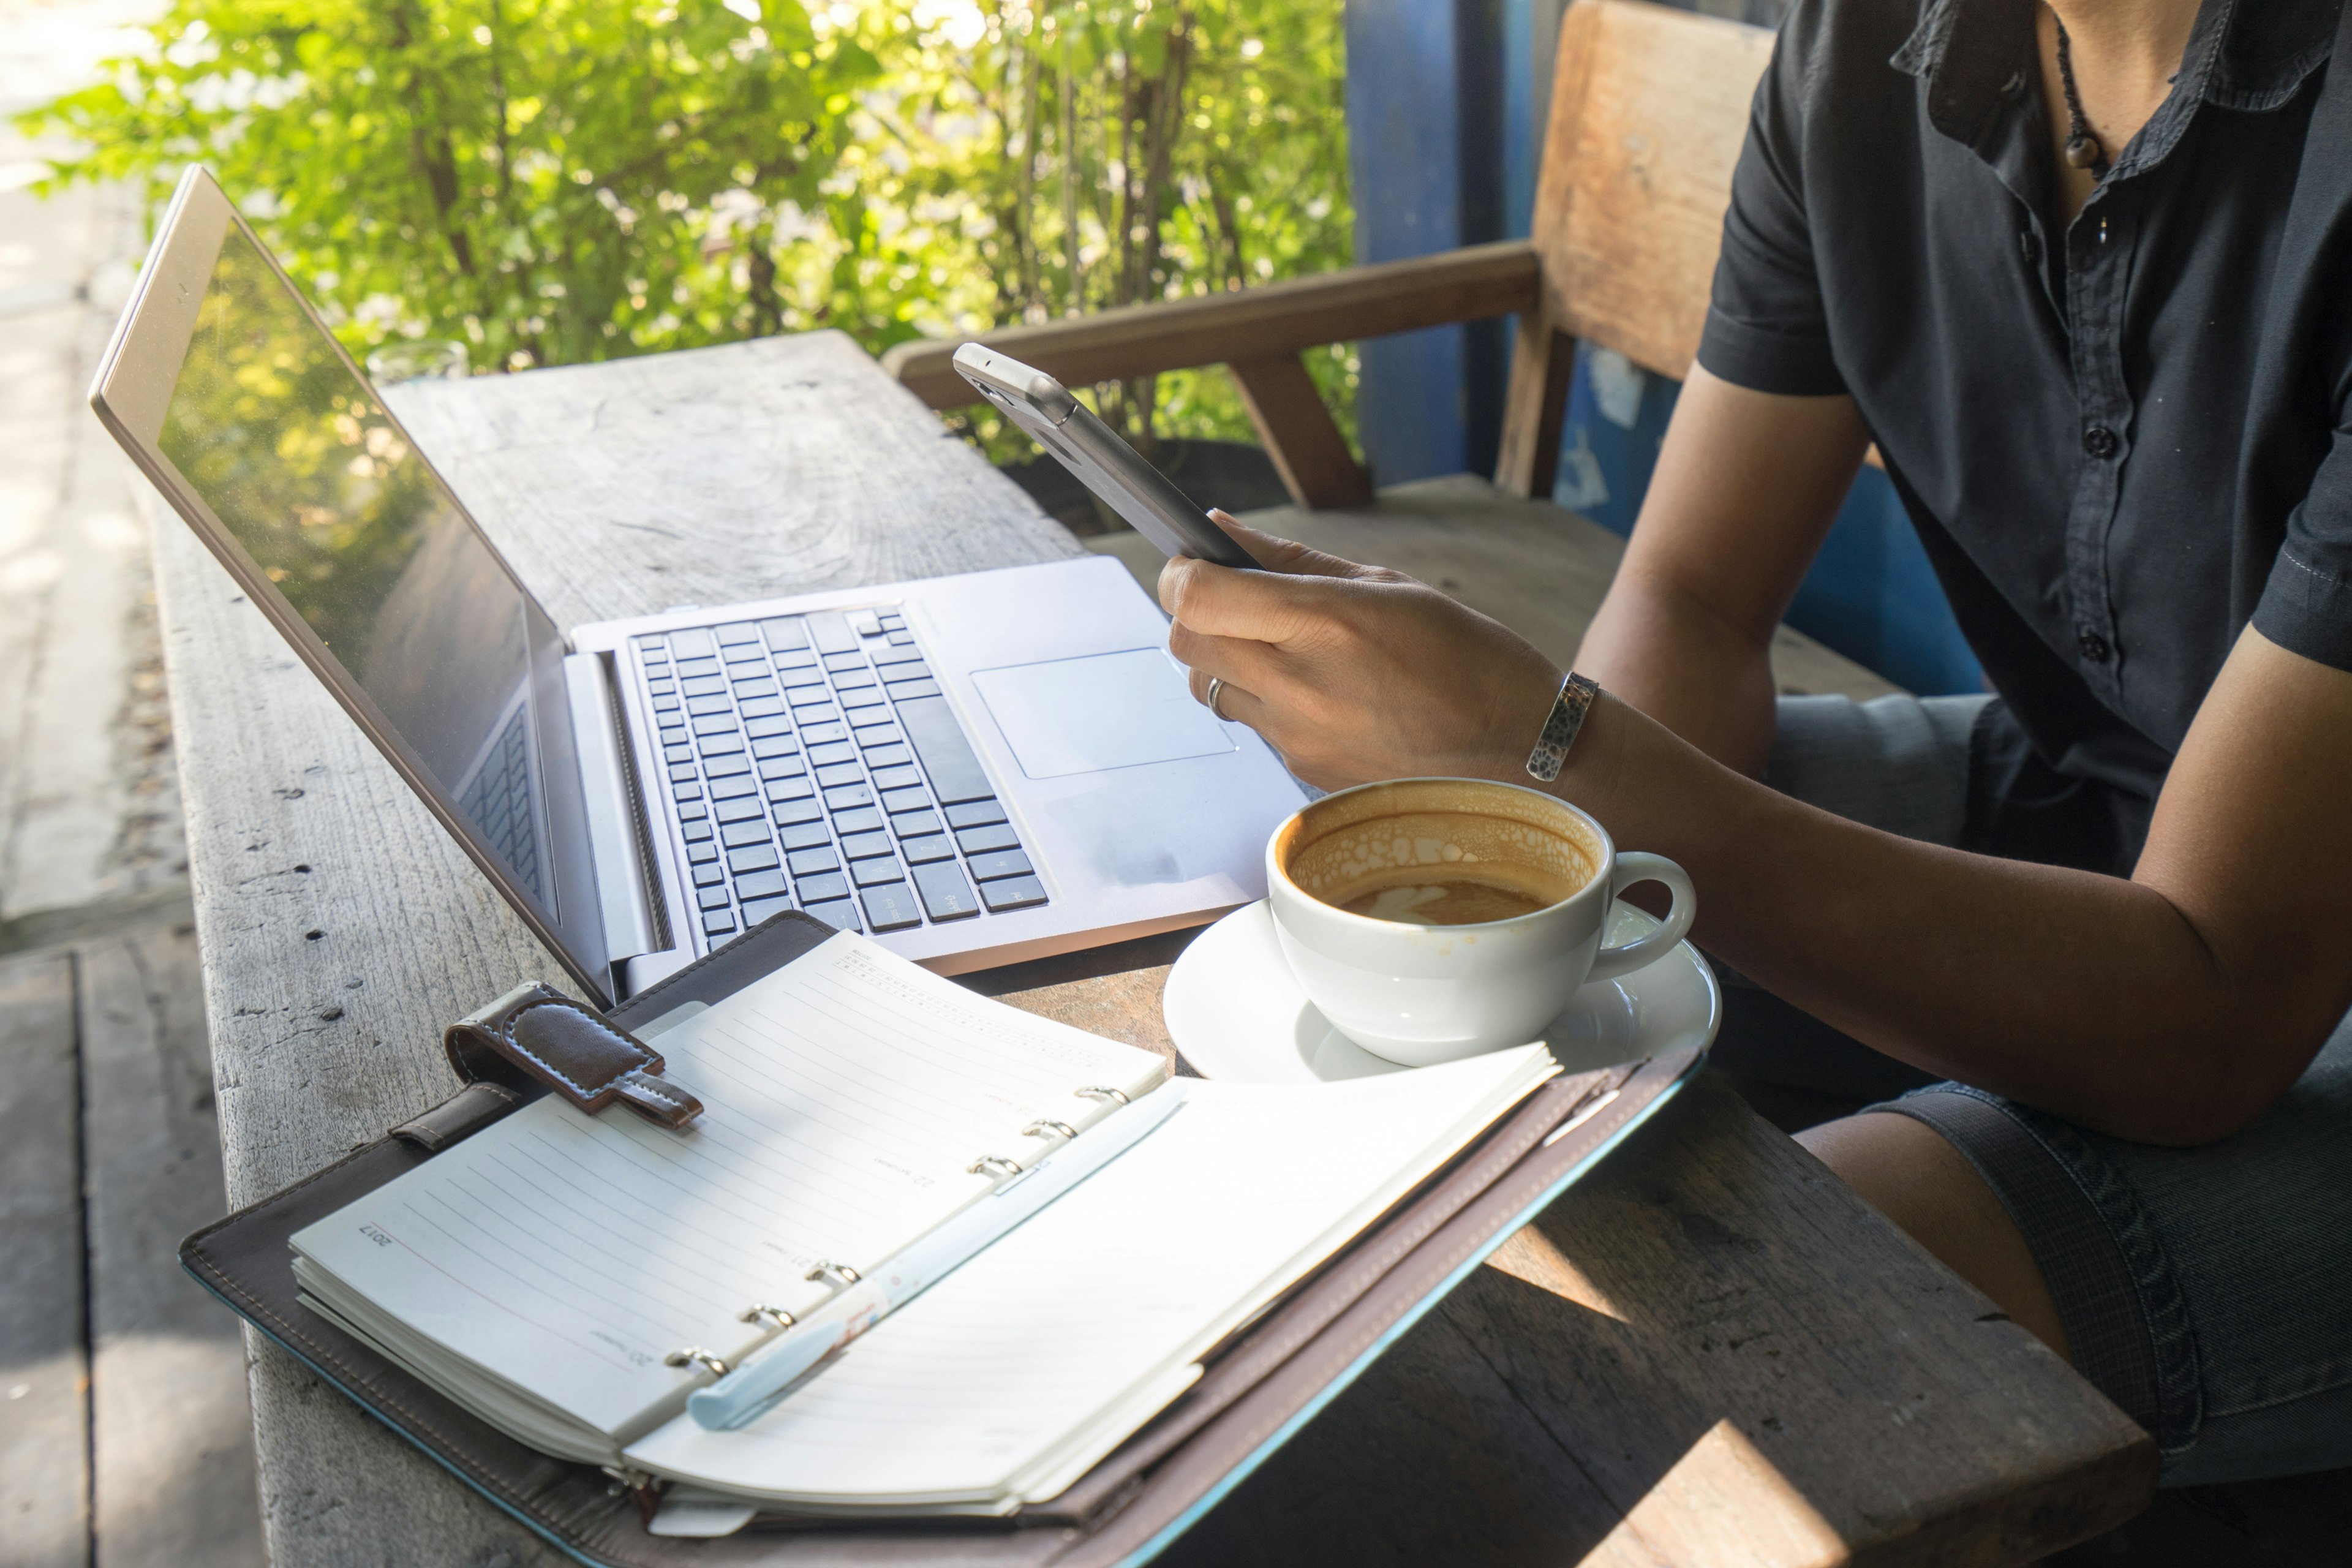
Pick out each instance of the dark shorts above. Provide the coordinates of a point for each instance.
(2207, 1291)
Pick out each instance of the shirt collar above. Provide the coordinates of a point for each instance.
(1974, 55)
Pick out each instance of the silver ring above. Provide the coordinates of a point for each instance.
(1216, 689)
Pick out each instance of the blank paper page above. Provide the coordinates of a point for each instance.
(844, 1096)
(1020, 1369)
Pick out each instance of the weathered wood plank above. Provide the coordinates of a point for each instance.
(1111, 991)
(1649, 113)
(1535, 408)
(767, 467)
(339, 926)
(1709, 1352)
(44, 1367)
(171, 1440)
(1297, 314)
(1536, 567)
(1298, 433)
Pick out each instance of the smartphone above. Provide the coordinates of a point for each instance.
(1103, 463)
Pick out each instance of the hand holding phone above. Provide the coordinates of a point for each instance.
(1103, 462)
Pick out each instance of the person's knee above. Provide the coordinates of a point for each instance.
(1909, 1173)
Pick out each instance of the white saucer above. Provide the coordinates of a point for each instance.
(1235, 1011)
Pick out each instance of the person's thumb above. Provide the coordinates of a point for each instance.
(1278, 554)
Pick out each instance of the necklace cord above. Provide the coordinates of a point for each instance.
(2083, 148)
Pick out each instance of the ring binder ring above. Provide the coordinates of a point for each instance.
(996, 1162)
(840, 1271)
(1046, 1127)
(758, 1310)
(691, 1354)
(1099, 1092)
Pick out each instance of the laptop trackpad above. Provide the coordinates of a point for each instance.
(1105, 711)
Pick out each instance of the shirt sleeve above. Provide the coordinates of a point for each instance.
(2307, 604)
(1766, 326)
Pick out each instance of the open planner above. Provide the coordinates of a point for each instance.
(504, 1279)
(571, 1279)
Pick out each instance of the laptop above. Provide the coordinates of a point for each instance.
(971, 770)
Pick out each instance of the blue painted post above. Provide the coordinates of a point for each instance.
(1425, 158)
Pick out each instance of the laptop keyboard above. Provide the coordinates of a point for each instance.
(812, 764)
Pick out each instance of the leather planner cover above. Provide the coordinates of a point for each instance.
(1255, 1392)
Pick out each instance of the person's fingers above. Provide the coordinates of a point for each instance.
(1237, 703)
(1264, 606)
(1244, 659)
(1284, 556)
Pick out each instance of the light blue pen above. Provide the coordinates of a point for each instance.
(742, 1394)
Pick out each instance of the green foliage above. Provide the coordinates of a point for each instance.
(557, 181)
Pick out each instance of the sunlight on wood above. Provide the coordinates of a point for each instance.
(1722, 1503)
(1531, 1256)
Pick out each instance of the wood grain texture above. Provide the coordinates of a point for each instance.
(340, 928)
(172, 1432)
(780, 466)
(1649, 113)
(1709, 1352)
(1535, 408)
(1465, 285)
(1111, 991)
(1317, 466)
(44, 1361)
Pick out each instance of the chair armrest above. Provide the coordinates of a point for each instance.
(1251, 324)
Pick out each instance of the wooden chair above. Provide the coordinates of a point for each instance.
(1649, 109)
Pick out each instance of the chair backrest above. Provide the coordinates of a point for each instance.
(1649, 109)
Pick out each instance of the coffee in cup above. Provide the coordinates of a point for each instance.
(1432, 919)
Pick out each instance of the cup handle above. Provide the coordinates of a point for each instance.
(1632, 866)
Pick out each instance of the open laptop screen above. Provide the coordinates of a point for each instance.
(295, 456)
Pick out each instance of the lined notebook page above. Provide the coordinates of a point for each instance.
(1016, 1372)
(844, 1096)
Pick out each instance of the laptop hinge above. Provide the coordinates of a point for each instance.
(632, 919)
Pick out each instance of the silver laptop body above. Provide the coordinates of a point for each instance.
(973, 770)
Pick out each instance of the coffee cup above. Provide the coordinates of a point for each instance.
(1435, 918)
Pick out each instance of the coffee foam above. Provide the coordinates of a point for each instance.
(1419, 831)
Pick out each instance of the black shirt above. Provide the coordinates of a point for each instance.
(2120, 441)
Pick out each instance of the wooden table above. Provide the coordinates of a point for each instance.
(1709, 1353)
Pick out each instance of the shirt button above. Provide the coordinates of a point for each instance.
(2029, 248)
(2101, 443)
(2093, 646)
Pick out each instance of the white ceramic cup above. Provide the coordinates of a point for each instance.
(1422, 993)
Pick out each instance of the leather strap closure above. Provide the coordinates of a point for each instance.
(460, 1117)
(536, 1035)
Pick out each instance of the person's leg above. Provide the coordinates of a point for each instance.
(2207, 1291)
(1911, 1173)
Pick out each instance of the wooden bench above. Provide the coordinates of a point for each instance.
(1710, 1353)
(1649, 110)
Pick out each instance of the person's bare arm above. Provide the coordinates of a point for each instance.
(1747, 485)
(2173, 1006)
